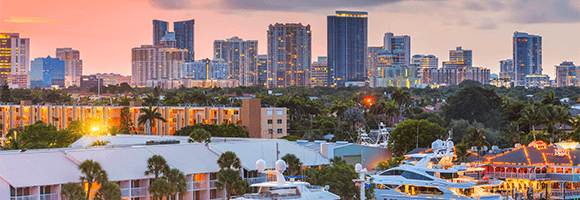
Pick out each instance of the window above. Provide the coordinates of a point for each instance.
(415, 176)
(44, 189)
(269, 121)
(279, 112)
(279, 131)
(270, 112)
(279, 121)
(212, 176)
(270, 131)
(392, 173)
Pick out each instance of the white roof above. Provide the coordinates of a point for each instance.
(37, 168)
(189, 158)
(121, 140)
(250, 151)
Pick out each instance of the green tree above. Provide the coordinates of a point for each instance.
(151, 100)
(531, 115)
(92, 172)
(109, 191)
(199, 135)
(37, 96)
(461, 152)
(177, 181)
(228, 179)
(401, 98)
(72, 191)
(6, 96)
(475, 104)
(337, 176)
(229, 159)
(150, 114)
(390, 163)
(551, 99)
(160, 188)
(294, 164)
(126, 122)
(403, 138)
(156, 165)
(475, 138)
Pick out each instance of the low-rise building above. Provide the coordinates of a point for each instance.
(540, 81)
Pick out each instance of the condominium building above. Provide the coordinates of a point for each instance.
(73, 66)
(527, 56)
(396, 76)
(18, 80)
(400, 46)
(347, 44)
(425, 61)
(14, 56)
(459, 58)
(372, 53)
(241, 57)
(156, 63)
(47, 72)
(183, 33)
(567, 74)
(289, 55)
(540, 81)
(507, 69)
(159, 30)
(319, 73)
(205, 69)
(262, 66)
(454, 76)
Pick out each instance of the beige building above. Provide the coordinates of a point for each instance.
(251, 115)
(156, 63)
(319, 74)
(73, 66)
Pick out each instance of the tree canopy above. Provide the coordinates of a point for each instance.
(403, 138)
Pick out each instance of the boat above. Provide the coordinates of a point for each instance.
(433, 176)
(283, 189)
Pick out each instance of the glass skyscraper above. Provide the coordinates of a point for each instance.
(400, 46)
(347, 43)
(159, 30)
(459, 58)
(47, 72)
(289, 55)
(527, 52)
(184, 34)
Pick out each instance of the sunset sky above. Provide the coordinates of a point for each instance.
(106, 30)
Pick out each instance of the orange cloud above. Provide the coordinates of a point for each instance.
(21, 19)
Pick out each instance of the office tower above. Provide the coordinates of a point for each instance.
(156, 63)
(73, 65)
(184, 34)
(372, 53)
(507, 70)
(567, 74)
(262, 66)
(347, 43)
(14, 55)
(425, 61)
(458, 58)
(400, 46)
(241, 56)
(47, 72)
(159, 30)
(289, 55)
(205, 69)
(527, 55)
(319, 72)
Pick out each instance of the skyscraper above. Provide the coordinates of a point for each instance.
(184, 34)
(507, 69)
(319, 73)
(458, 58)
(567, 74)
(73, 65)
(400, 46)
(156, 63)
(289, 55)
(47, 72)
(425, 61)
(262, 66)
(159, 30)
(14, 55)
(347, 43)
(241, 56)
(527, 55)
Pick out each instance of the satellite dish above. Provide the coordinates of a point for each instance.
(280, 165)
(261, 165)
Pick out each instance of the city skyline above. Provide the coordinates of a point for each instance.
(487, 28)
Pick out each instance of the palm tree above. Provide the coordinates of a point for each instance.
(109, 191)
(401, 99)
(93, 172)
(229, 159)
(551, 117)
(338, 108)
(156, 165)
(177, 181)
(72, 191)
(474, 138)
(53, 96)
(151, 100)
(531, 115)
(199, 135)
(461, 152)
(228, 179)
(294, 164)
(160, 188)
(37, 96)
(551, 99)
(150, 114)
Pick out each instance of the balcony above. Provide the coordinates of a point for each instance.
(29, 197)
(212, 184)
(139, 192)
(198, 185)
(256, 180)
(125, 192)
(49, 196)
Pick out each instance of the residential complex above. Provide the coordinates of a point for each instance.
(206, 73)
(319, 73)
(241, 57)
(289, 55)
(452, 76)
(507, 70)
(371, 62)
(425, 61)
(527, 56)
(540, 81)
(151, 63)
(567, 74)
(262, 67)
(14, 58)
(396, 76)
(346, 47)
(47, 73)
(183, 33)
(73, 66)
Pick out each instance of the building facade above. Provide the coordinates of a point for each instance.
(289, 55)
(540, 81)
(15, 56)
(319, 73)
(459, 58)
(396, 76)
(159, 30)
(452, 76)
(113, 79)
(507, 70)
(567, 74)
(262, 67)
(156, 63)
(73, 65)
(47, 72)
(372, 53)
(425, 61)
(88, 81)
(183, 32)
(241, 57)
(527, 55)
(346, 48)
(205, 69)
(400, 46)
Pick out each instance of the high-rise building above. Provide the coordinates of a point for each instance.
(241, 56)
(507, 70)
(372, 53)
(347, 44)
(527, 55)
(567, 74)
(400, 46)
(14, 55)
(156, 63)
(289, 55)
(159, 30)
(425, 61)
(454, 76)
(184, 34)
(262, 66)
(458, 58)
(205, 69)
(47, 72)
(319, 72)
(73, 66)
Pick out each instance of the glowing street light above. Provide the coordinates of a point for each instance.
(369, 100)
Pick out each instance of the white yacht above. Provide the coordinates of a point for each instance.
(425, 180)
(282, 189)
